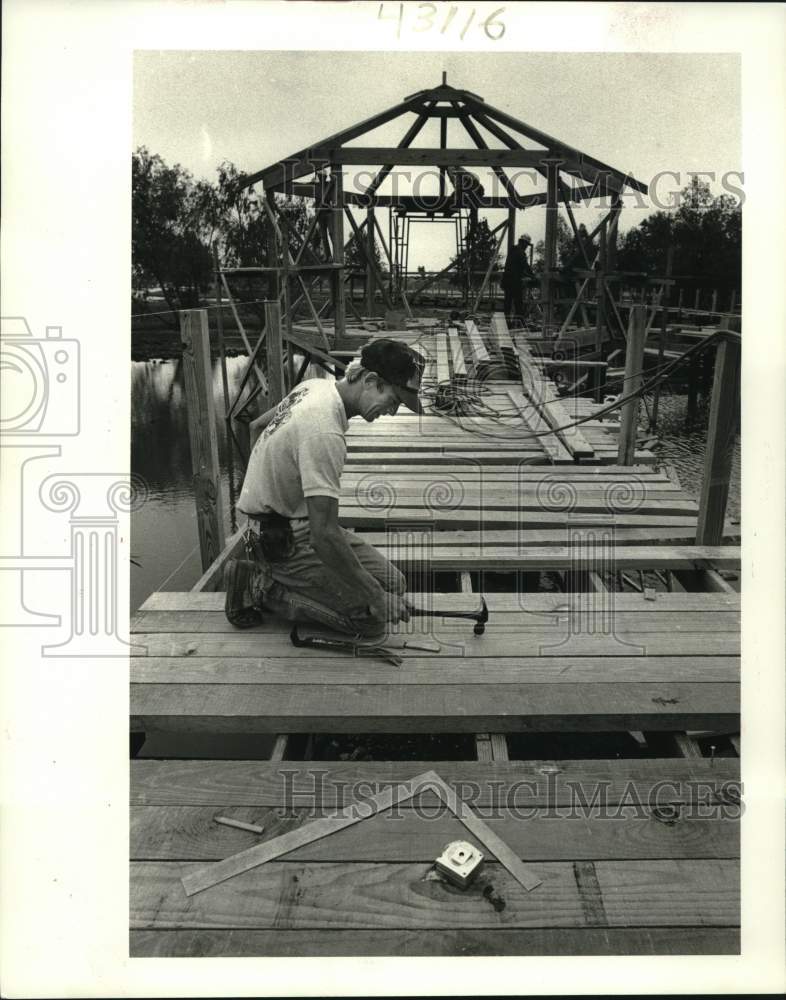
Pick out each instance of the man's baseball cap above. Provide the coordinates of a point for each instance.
(397, 364)
(525, 239)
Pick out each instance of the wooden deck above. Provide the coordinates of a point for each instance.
(636, 854)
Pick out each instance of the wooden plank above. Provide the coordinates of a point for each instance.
(480, 354)
(634, 363)
(525, 473)
(434, 670)
(454, 643)
(443, 942)
(450, 454)
(206, 473)
(558, 557)
(427, 156)
(310, 895)
(662, 534)
(443, 370)
(274, 353)
(547, 403)
(587, 615)
(279, 747)
(337, 237)
(669, 887)
(446, 708)
(722, 429)
(427, 497)
(213, 577)
(456, 353)
(513, 784)
(175, 600)
(499, 746)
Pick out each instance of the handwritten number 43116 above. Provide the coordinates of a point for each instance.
(426, 17)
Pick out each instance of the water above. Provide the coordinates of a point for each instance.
(164, 539)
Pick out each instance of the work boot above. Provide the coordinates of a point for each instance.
(243, 583)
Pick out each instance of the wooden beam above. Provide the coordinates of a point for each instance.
(370, 261)
(422, 156)
(722, 429)
(411, 134)
(271, 174)
(274, 352)
(206, 471)
(634, 362)
(550, 246)
(587, 166)
(337, 238)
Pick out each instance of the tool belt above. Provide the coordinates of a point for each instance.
(273, 537)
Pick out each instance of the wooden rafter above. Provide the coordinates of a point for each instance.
(575, 161)
(346, 135)
(411, 134)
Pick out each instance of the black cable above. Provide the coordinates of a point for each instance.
(620, 401)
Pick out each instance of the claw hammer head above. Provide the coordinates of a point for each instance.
(483, 617)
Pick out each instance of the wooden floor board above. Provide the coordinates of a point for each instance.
(189, 833)
(451, 708)
(517, 784)
(309, 895)
(412, 943)
(173, 600)
(432, 670)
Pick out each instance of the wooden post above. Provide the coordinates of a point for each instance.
(220, 328)
(697, 300)
(198, 377)
(611, 237)
(693, 389)
(634, 360)
(714, 306)
(600, 293)
(274, 348)
(733, 301)
(371, 245)
(721, 431)
(664, 320)
(272, 250)
(337, 237)
(511, 229)
(550, 244)
(679, 305)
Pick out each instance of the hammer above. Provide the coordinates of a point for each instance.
(479, 617)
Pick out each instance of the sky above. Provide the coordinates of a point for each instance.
(643, 113)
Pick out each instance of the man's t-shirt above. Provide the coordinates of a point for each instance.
(300, 454)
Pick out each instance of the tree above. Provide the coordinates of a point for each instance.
(704, 231)
(480, 247)
(355, 255)
(566, 248)
(177, 221)
(173, 220)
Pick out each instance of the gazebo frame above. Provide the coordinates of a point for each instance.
(559, 163)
